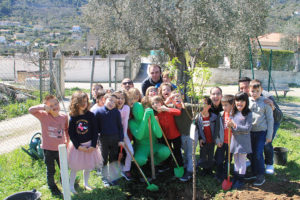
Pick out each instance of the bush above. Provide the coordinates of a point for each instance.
(282, 60)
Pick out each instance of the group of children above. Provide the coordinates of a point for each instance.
(95, 134)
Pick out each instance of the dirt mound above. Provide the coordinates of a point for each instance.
(284, 190)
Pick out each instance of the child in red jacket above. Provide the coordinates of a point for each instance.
(166, 120)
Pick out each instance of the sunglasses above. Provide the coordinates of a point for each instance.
(127, 83)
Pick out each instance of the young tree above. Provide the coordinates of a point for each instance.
(177, 26)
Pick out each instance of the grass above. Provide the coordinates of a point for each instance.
(19, 173)
(15, 109)
(289, 99)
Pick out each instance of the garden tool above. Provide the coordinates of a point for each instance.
(35, 151)
(150, 187)
(151, 150)
(178, 171)
(226, 185)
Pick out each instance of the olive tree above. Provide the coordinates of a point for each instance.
(177, 26)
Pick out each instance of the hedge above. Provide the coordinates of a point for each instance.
(282, 60)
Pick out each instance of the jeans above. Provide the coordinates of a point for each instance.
(221, 157)
(109, 148)
(268, 149)
(187, 146)
(207, 155)
(258, 140)
(50, 158)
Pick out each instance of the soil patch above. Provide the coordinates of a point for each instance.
(270, 190)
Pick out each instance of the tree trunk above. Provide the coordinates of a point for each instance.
(297, 62)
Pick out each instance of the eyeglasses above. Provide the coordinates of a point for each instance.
(127, 83)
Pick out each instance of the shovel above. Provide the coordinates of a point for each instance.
(150, 187)
(226, 185)
(178, 171)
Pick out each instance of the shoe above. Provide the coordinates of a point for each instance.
(88, 188)
(269, 169)
(114, 183)
(238, 185)
(248, 163)
(186, 177)
(105, 183)
(250, 176)
(260, 180)
(142, 180)
(55, 191)
(127, 175)
(163, 168)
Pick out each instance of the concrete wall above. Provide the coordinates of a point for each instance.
(75, 68)
(231, 76)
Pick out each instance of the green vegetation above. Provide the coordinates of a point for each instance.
(17, 168)
(282, 60)
(15, 109)
(289, 99)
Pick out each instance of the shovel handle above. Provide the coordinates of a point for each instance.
(137, 164)
(168, 145)
(228, 165)
(151, 149)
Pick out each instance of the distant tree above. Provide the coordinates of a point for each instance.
(177, 26)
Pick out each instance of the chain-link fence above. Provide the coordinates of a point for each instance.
(24, 82)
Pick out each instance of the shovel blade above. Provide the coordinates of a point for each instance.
(226, 185)
(179, 171)
(152, 187)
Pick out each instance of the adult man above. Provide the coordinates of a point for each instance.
(126, 84)
(154, 77)
(268, 149)
(216, 96)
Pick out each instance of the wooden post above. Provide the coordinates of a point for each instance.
(64, 171)
(92, 73)
(151, 150)
(51, 68)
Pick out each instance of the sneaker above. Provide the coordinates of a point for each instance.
(250, 176)
(55, 191)
(248, 163)
(163, 168)
(127, 175)
(105, 183)
(114, 183)
(259, 180)
(186, 177)
(269, 169)
(237, 185)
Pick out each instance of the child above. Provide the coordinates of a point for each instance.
(134, 96)
(261, 131)
(82, 151)
(166, 120)
(240, 146)
(97, 87)
(125, 112)
(111, 132)
(99, 101)
(183, 123)
(166, 78)
(207, 132)
(164, 91)
(54, 132)
(221, 155)
(150, 92)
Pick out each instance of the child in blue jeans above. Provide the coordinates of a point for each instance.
(261, 131)
(206, 124)
(221, 155)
